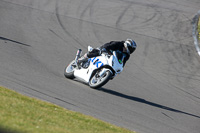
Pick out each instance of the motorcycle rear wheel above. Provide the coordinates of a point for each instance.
(97, 82)
(69, 70)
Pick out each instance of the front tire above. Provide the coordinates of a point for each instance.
(97, 82)
(69, 70)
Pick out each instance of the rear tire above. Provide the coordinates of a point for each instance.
(69, 70)
(100, 81)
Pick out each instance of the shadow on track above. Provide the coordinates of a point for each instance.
(144, 101)
(6, 39)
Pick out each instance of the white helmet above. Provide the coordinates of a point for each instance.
(130, 46)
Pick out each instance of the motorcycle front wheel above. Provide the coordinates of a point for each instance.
(96, 81)
(69, 70)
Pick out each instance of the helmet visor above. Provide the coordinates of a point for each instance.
(126, 47)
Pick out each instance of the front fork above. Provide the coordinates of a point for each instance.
(78, 55)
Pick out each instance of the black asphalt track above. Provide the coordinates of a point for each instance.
(159, 89)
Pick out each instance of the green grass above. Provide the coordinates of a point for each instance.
(29, 115)
(199, 28)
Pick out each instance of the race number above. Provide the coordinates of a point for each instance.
(96, 62)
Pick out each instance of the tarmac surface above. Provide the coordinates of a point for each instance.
(159, 89)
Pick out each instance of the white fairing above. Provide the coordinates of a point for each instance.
(116, 65)
(97, 62)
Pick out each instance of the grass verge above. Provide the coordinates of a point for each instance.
(22, 114)
(199, 28)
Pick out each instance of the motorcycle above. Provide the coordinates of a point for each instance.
(96, 71)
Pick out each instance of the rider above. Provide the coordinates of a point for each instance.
(127, 47)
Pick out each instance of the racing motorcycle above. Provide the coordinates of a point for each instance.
(96, 71)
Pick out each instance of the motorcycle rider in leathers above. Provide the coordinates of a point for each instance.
(127, 47)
